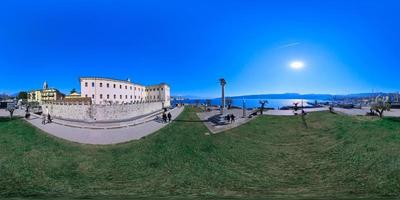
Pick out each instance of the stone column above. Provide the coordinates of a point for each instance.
(223, 83)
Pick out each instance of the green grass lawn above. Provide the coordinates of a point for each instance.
(337, 156)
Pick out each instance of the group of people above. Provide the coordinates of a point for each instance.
(48, 117)
(230, 118)
(166, 117)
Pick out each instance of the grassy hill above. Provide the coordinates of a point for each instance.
(337, 156)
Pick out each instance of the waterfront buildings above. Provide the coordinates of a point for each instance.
(45, 94)
(113, 91)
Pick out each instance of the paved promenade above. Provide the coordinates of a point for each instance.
(215, 125)
(363, 111)
(125, 132)
(213, 122)
(291, 112)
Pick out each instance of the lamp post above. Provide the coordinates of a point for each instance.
(223, 83)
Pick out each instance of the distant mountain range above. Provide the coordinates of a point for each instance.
(306, 96)
(298, 96)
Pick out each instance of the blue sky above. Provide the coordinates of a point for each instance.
(347, 46)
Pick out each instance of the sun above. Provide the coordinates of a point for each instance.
(296, 65)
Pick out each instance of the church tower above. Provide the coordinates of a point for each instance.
(45, 85)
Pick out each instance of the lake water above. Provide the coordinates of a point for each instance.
(254, 103)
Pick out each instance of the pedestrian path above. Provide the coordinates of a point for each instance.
(216, 123)
(108, 125)
(292, 112)
(103, 136)
(364, 110)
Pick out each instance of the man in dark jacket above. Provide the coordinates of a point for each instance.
(169, 117)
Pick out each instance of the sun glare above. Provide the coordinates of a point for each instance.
(296, 65)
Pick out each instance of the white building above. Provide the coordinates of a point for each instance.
(105, 91)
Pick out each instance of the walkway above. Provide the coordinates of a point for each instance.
(291, 112)
(125, 132)
(363, 111)
(215, 123)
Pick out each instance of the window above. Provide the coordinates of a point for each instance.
(92, 96)
(86, 84)
(135, 96)
(101, 96)
(108, 85)
(126, 96)
(131, 96)
(120, 96)
(120, 86)
(108, 96)
(86, 95)
(92, 84)
(158, 89)
(126, 87)
(114, 85)
(115, 96)
(162, 89)
(130, 87)
(101, 84)
(135, 89)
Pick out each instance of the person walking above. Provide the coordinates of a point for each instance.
(164, 117)
(169, 117)
(48, 118)
(232, 118)
(43, 119)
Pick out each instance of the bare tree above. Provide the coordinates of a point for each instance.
(381, 106)
(229, 102)
(11, 108)
(296, 106)
(388, 104)
(331, 109)
(262, 102)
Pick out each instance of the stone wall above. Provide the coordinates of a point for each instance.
(100, 113)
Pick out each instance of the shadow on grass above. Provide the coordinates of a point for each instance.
(392, 119)
(7, 119)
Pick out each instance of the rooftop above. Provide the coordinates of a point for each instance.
(118, 80)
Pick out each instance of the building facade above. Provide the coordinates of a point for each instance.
(113, 91)
(44, 95)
